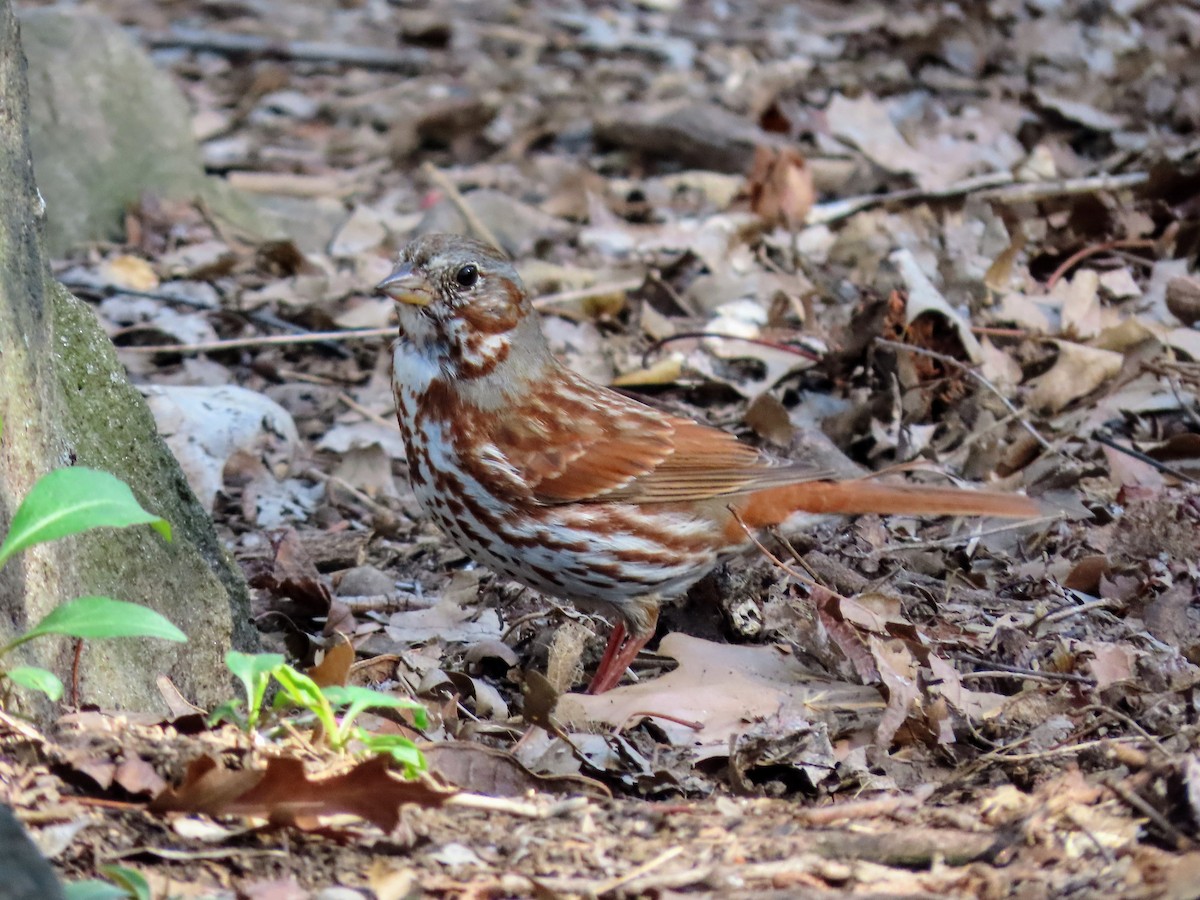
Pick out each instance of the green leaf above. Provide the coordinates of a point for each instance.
(71, 500)
(359, 699)
(104, 617)
(303, 691)
(34, 679)
(228, 711)
(399, 748)
(253, 670)
(131, 879)
(94, 890)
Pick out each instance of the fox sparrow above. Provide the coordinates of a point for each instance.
(572, 488)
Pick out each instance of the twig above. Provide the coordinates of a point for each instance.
(803, 579)
(522, 620)
(650, 714)
(1019, 670)
(998, 186)
(633, 874)
(863, 809)
(1028, 191)
(474, 223)
(265, 319)
(1066, 750)
(835, 211)
(1130, 723)
(596, 290)
(387, 422)
(695, 335)
(961, 538)
(962, 367)
(1142, 457)
(1080, 255)
(380, 511)
(1139, 804)
(409, 61)
(515, 807)
(313, 337)
(1067, 613)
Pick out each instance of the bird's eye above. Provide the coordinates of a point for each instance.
(467, 276)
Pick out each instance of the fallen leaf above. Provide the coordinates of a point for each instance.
(756, 683)
(283, 793)
(781, 186)
(497, 773)
(1077, 372)
(131, 272)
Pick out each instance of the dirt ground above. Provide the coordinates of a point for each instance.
(949, 240)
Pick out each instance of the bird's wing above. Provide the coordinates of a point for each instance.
(576, 441)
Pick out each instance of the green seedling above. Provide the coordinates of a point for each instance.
(62, 503)
(297, 689)
(125, 884)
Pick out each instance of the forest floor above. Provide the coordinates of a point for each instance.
(952, 240)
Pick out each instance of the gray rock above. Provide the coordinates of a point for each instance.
(107, 126)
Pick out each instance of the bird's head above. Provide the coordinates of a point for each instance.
(462, 303)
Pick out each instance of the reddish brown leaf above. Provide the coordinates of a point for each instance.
(334, 669)
(283, 793)
(844, 636)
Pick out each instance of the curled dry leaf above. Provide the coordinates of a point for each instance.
(781, 186)
(284, 794)
(1078, 371)
(924, 298)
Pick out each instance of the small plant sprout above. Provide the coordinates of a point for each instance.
(255, 673)
(62, 503)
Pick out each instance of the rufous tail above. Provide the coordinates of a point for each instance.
(773, 506)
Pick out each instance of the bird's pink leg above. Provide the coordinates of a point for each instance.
(622, 649)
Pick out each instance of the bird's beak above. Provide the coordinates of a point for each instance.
(406, 286)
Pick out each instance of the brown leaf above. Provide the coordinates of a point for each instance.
(283, 794)
(843, 634)
(755, 683)
(334, 669)
(138, 777)
(781, 186)
(497, 773)
(292, 574)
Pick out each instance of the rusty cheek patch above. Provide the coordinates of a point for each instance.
(500, 315)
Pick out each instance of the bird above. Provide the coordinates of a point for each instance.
(572, 488)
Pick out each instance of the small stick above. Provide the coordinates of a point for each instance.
(803, 579)
(998, 186)
(1139, 804)
(1068, 612)
(695, 335)
(1142, 457)
(666, 717)
(312, 337)
(1019, 670)
(584, 293)
(474, 223)
(1080, 255)
(378, 509)
(962, 367)
(384, 421)
(409, 62)
(606, 887)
